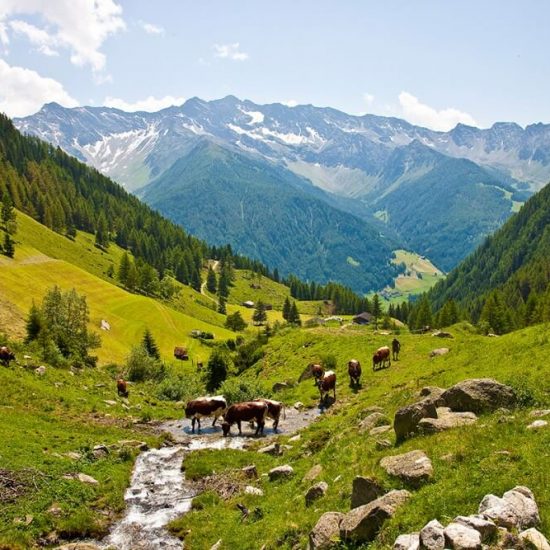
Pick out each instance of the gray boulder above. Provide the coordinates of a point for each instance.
(281, 472)
(274, 449)
(439, 351)
(379, 430)
(407, 542)
(432, 536)
(314, 472)
(414, 467)
(517, 508)
(446, 419)
(365, 490)
(315, 492)
(373, 420)
(433, 394)
(407, 418)
(479, 395)
(462, 537)
(326, 533)
(362, 524)
(382, 444)
(485, 527)
(534, 539)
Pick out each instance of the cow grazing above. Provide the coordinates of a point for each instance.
(317, 371)
(122, 387)
(327, 383)
(205, 406)
(381, 357)
(274, 409)
(6, 355)
(248, 411)
(395, 349)
(354, 371)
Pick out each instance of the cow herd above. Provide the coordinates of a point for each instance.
(257, 411)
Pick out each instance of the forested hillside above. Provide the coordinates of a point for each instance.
(505, 282)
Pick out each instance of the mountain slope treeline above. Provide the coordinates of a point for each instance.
(506, 281)
(65, 195)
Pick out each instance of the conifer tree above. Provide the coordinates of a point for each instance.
(149, 344)
(259, 316)
(211, 282)
(235, 322)
(286, 310)
(216, 369)
(9, 246)
(124, 268)
(102, 232)
(221, 305)
(294, 317)
(33, 324)
(8, 214)
(376, 309)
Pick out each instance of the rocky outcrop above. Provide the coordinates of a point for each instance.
(326, 532)
(362, 524)
(407, 542)
(373, 420)
(462, 537)
(479, 395)
(365, 490)
(483, 526)
(517, 508)
(446, 419)
(414, 467)
(432, 536)
(433, 394)
(407, 418)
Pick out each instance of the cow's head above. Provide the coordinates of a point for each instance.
(225, 428)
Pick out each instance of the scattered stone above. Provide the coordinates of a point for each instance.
(534, 539)
(380, 430)
(73, 455)
(540, 413)
(41, 371)
(362, 524)
(439, 351)
(250, 472)
(326, 532)
(462, 537)
(280, 386)
(250, 490)
(295, 438)
(446, 419)
(516, 508)
(315, 492)
(537, 424)
(55, 510)
(479, 395)
(407, 418)
(217, 545)
(432, 536)
(413, 467)
(373, 409)
(298, 405)
(337, 478)
(274, 449)
(281, 472)
(100, 451)
(109, 402)
(442, 334)
(313, 473)
(85, 478)
(382, 444)
(373, 420)
(407, 542)
(485, 527)
(78, 546)
(365, 490)
(134, 443)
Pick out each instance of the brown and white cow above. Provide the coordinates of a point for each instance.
(245, 412)
(327, 383)
(6, 355)
(205, 407)
(274, 409)
(354, 371)
(122, 387)
(317, 372)
(381, 357)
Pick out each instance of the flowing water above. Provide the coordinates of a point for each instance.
(158, 491)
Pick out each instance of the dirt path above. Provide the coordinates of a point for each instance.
(203, 285)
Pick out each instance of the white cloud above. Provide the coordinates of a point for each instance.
(45, 43)
(150, 104)
(23, 92)
(81, 26)
(230, 51)
(368, 98)
(149, 28)
(290, 103)
(424, 115)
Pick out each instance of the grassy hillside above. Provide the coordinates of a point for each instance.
(43, 259)
(491, 456)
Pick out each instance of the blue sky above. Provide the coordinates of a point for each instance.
(434, 63)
